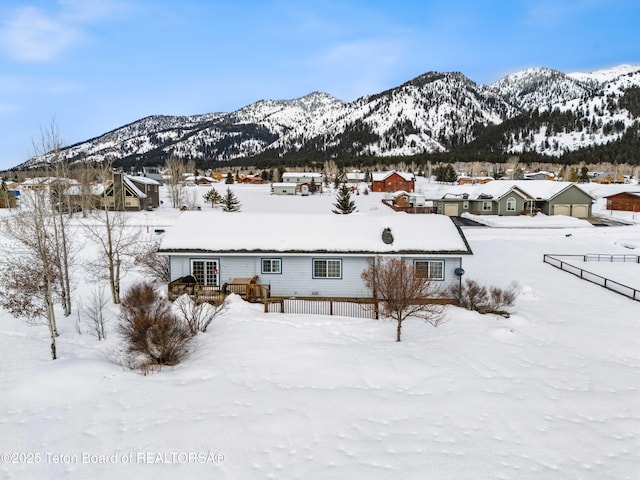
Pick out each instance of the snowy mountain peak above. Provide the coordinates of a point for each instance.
(433, 112)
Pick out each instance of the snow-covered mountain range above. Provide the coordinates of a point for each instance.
(435, 112)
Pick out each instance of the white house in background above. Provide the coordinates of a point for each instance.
(302, 177)
(282, 188)
(302, 180)
(304, 255)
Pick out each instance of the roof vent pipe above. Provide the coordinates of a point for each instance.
(387, 237)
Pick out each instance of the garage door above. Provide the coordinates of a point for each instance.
(561, 209)
(580, 211)
(451, 209)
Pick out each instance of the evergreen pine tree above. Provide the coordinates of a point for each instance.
(584, 175)
(229, 178)
(213, 197)
(344, 205)
(230, 202)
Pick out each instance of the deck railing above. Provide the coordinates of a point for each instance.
(217, 294)
(347, 307)
(557, 260)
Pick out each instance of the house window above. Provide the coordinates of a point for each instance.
(205, 272)
(432, 269)
(511, 204)
(327, 268)
(271, 265)
(487, 206)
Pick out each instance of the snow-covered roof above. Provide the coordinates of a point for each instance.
(543, 190)
(225, 232)
(480, 191)
(627, 192)
(139, 193)
(145, 180)
(381, 176)
(301, 175)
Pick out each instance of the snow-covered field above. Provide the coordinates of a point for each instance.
(550, 393)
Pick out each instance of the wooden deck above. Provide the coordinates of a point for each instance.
(216, 294)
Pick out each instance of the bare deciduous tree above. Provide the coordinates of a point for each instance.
(115, 239)
(152, 265)
(402, 292)
(175, 182)
(94, 313)
(29, 274)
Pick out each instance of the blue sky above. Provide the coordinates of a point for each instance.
(90, 66)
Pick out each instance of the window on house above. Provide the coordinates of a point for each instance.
(205, 272)
(511, 204)
(487, 206)
(271, 265)
(327, 268)
(433, 269)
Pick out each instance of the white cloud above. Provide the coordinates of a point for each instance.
(34, 35)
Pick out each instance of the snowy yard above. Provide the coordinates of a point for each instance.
(550, 393)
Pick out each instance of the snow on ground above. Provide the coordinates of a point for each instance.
(550, 393)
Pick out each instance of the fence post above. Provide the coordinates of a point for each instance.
(330, 307)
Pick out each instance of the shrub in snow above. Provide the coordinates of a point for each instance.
(151, 332)
(473, 296)
(198, 315)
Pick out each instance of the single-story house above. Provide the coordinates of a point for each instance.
(606, 178)
(282, 188)
(392, 181)
(355, 176)
(301, 255)
(541, 175)
(466, 180)
(492, 198)
(516, 197)
(627, 201)
(404, 199)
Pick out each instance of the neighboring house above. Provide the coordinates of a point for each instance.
(154, 174)
(281, 188)
(516, 197)
(150, 187)
(464, 180)
(404, 199)
(627, 201)
(392, 181)
(355, 176)
(123, 193)
(301, 255)
(304, 181)
(492, 198)
(542, 175)
(607, 178)
(409, 202)
(560, 198)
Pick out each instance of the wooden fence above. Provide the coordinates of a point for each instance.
(558, 261)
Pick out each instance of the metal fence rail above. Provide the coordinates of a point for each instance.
(558, 261)
(352, 307)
